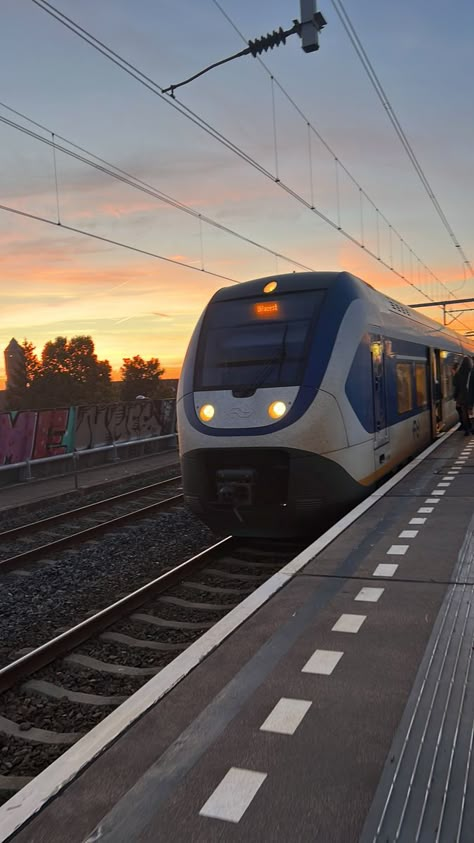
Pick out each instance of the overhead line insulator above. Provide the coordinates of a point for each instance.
(268, 41)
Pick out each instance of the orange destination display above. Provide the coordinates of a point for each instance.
(266, 309)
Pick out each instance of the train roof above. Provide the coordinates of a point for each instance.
(392, 314)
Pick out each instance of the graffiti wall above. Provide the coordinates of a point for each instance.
(32, 434)
(98, 425)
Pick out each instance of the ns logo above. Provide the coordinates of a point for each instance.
(238, 413)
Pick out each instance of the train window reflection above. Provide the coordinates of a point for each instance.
(239, 349)
(404, 388)
(421, 385)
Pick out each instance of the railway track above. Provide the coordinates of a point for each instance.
(52, 695)
(84, 523)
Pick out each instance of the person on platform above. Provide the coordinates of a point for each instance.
(461, 383)
(471, 394)
(454, 369)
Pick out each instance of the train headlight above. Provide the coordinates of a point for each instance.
(206, 412)
(277, 409)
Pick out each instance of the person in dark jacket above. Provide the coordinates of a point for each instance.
(454, 369)
(471, 388)
(461, 383)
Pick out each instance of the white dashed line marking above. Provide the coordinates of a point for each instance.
(286, 716)
(233, 795)
(322, 661)
(397, 549)
(417, 520)
(349, 623)
(444, 485)
(438, 492)
(385, 570)
(432, 500)
(425, 509)
(369, 595)
(408, 534)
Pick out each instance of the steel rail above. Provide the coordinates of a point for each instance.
(66, 641)
(28, 556)
(34, 526)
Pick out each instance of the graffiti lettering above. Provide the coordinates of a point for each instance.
(51, 428)
(32, 434)
(102, 425)
(17, 434)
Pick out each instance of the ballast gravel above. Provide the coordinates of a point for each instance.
(76, 678)
(149, 632)
(115, 653)
(20, 758)
(88, 578)
(168, 612)
(35, 710)
(72, 500)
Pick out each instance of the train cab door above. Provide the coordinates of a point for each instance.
(435, 392)
(381, 433)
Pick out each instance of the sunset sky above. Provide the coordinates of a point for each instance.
(57, 282)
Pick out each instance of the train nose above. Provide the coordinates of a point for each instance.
(236, 487)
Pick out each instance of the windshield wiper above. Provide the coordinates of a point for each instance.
(246, 392)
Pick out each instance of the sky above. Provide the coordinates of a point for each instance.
(292, 114)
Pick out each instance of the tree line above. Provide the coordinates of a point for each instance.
(69, 372)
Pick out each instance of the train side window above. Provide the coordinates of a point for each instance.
(404, 388)
(421, 385)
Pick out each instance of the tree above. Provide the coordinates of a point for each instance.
(70, 373)
(141, 377)
(54, 357)
(32, 364)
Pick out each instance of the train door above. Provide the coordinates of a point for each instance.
(436, 392)
(379, 393)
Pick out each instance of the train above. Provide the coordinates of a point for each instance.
(300, 393)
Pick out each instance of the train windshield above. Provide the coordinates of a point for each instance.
(249, 343)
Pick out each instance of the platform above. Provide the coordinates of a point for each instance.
(340, 709)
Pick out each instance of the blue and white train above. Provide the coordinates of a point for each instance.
(300, 393)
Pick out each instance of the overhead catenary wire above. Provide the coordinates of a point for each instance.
(112, 242)
(377, 85)
(338, 163)
(123, 176)
(357, 45)
(157, 89)
(256, 46)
